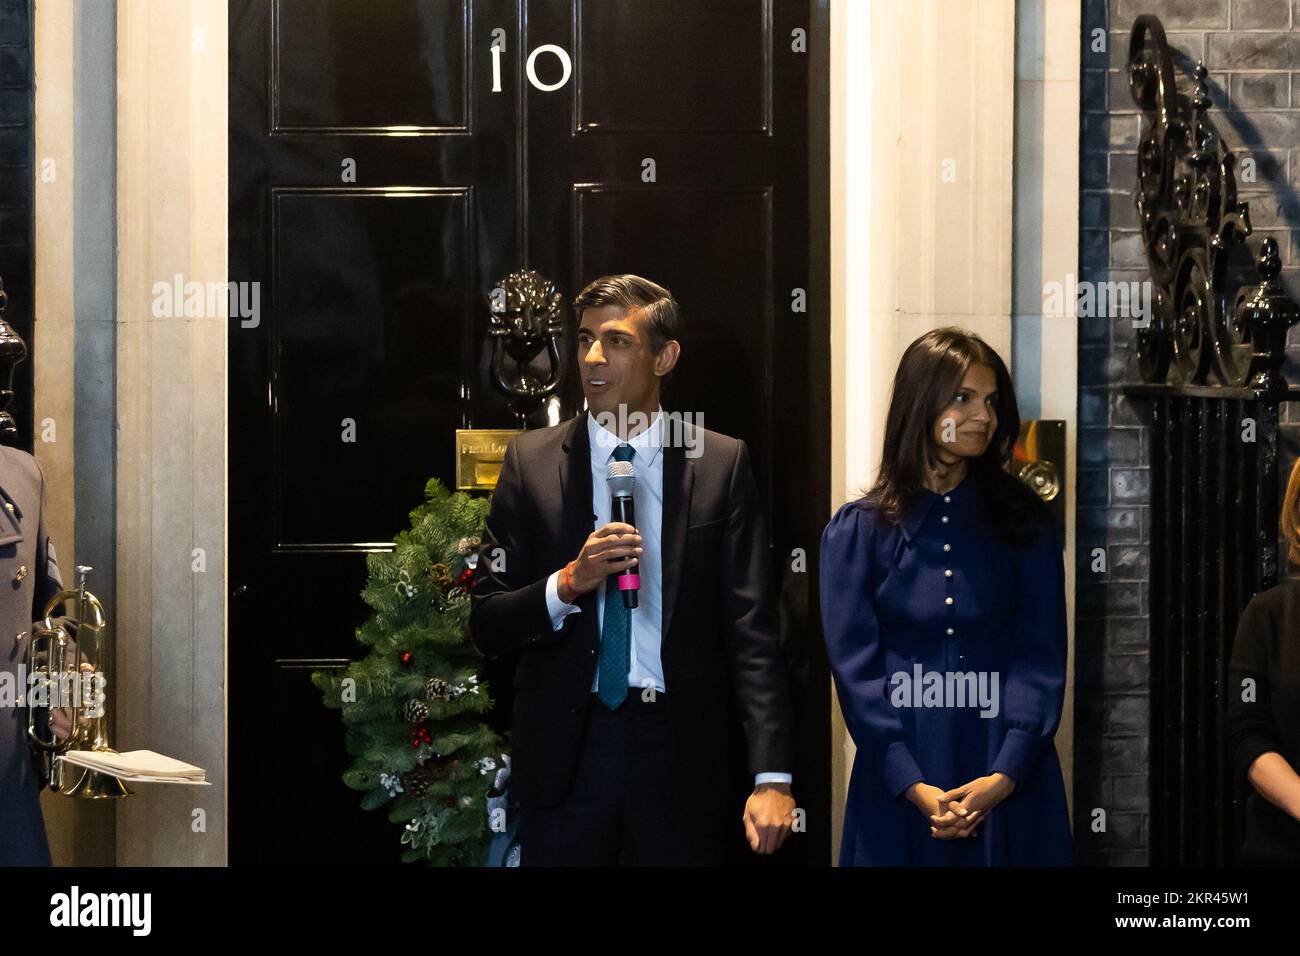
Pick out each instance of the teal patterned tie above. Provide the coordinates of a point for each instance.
(616, 631)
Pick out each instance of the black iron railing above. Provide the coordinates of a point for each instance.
(1210, 357)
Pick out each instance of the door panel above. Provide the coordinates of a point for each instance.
(630, 49)
(372, 304)
(417, 77)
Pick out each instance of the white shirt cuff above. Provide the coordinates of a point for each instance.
(555, 607)
(772, 778)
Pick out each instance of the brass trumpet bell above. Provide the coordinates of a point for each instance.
(70, 780)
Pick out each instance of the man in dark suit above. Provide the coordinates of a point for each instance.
(620, 727)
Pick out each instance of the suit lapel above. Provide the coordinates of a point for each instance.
(575, 507)
(679, 479)
(575, 484)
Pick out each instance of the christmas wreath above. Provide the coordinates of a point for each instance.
(413, 706)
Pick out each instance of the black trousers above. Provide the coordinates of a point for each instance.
(627, 806)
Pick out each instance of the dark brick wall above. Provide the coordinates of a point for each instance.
(17, 143)
(1252, 50)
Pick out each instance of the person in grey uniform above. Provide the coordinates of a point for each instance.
(29, 577)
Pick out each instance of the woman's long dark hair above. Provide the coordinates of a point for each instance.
(927, 380)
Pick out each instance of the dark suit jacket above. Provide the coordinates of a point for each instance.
(719, 638)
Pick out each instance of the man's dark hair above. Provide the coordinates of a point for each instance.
(632, 293)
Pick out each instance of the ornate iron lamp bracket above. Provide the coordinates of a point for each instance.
(1191, 223)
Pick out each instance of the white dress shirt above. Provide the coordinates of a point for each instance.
(646, 669)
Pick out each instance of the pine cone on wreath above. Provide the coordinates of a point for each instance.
(417, 781)
(416, 712)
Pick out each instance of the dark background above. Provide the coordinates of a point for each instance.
(17, 200)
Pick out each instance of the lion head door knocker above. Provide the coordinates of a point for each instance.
(526, 319)
(12, 351)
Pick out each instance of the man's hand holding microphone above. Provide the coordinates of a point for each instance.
(612, 547)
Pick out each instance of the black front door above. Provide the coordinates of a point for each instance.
(387, 169)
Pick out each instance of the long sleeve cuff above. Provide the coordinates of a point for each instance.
(555, 607)
(1017, 754)
(901, 770)
(772, 777)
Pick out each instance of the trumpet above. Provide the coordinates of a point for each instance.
(58, 660)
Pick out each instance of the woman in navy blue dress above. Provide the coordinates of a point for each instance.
(943, 605)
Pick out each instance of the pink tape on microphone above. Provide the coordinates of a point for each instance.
(629, 582)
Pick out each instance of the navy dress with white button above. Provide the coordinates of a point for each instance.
(940, 590)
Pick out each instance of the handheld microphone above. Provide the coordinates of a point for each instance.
(621, 476)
